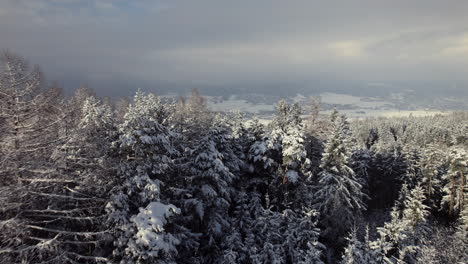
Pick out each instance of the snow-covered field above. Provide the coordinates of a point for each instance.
(234, 104)
(351, 105)
(360, 102)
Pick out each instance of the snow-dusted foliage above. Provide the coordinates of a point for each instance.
(286, 237)
(150, 241)
(339, 196)
(295, 161)
(431, 165)
(210, 181)
(360, 252)
(401, 238)
(145, 150)
(455, 181)
(73, 196)
(262, 153)
(415, 211)
(85, 180)
(29, 117)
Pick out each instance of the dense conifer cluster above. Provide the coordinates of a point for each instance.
(86, 180)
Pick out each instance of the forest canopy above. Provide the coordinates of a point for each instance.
(85, 179)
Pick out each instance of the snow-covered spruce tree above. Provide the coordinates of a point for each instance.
(229, 143)
(460, 134)
(233, 244)
(286, 237)
(138, 214)
(295, 162)
(391, 235)
(287, 144)
(430, 164)
(357, 252)
(262, 154)
(401, 238)
(338, 196)
(415, 211)
(412, 157)
(240, 138)
(295, 168)
(414, 216)
(209, 184)
(286, 116)
(455, 181)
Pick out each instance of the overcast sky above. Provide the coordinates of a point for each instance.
(197, 42)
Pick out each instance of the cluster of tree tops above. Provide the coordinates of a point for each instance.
(147, 181)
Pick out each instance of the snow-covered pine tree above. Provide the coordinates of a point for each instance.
(233, 244)
(400, 238)
(339, 195)
(295, 168)
(357, 252)
(301, 237)
(295, 163)
(286, 237)
(240, 134)
(209, 184)
(415, 211)
(391, 236)
(65, 224)
(430, 163)
(414, 217)
(230, 143)
(138, 214)
(455, 181)
(29, 115)
(29, 118)
(262, 155)
(412, 157)
(286, 144)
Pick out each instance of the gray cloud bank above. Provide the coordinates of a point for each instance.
(116, 46)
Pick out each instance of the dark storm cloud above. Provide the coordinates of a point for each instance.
(183, 43)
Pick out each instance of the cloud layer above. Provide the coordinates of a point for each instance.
(227, 42)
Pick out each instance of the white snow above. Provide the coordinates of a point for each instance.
(292, 176)
(345, 99)
(233, 104)
(150, 223)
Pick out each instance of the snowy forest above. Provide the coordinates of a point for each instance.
(85, 179)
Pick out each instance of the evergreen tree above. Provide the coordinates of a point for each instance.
(286, 237)
(210, 187)
(29, 116)
(455, 181)
(357, 252)
(65, 224)
(415, 211)
(430, 164)
(138, 214)
(339, 194)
